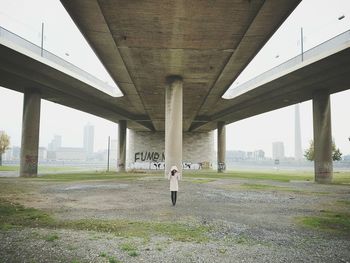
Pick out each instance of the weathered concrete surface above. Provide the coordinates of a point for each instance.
(30, 134)
(322, 137)
(208, 43)
(146, 149)
(121, 146)
(173, 123)
(221, 147)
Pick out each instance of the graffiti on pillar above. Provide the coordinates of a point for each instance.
(221, 166)
(31, 161)
(157, 165)
(149, 156)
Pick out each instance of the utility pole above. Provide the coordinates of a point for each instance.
(42, 38)
(109, 143)
(302, 43)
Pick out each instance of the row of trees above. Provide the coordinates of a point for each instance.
(4, 144)
(310, 152)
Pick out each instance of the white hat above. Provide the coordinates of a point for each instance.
(174, 168)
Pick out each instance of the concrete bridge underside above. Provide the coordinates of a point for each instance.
(206, 44)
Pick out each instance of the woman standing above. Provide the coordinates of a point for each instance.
(174, 176)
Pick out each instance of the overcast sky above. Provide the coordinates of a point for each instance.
(319, 19)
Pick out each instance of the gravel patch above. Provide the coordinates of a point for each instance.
(246, 225)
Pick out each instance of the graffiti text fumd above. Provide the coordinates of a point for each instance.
(149, 156)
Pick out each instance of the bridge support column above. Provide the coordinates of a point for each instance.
(173, 123)
(30, 134)
(221, 147)
(322, 137)
(121, 146)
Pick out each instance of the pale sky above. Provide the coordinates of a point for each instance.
(319, 19)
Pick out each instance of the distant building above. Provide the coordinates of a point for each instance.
(235, 155)
(70, 154)
(42, 154)
(259, 155)
(250, 155)
(89, 139)
(55, 144)
(278, 150)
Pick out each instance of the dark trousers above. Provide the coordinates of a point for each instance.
(173, 197)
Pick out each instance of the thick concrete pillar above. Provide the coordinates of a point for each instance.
(30, 134)
(121, 146)
(173, 123)
(221, 147)
(322, 137)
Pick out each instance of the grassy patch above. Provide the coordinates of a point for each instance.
(6, 168)
(113, 260)
(51, 237)
(12, 215)
(124, 228)
(103, 254)
(71, 177)
(338, 222)
(130, 248)
(344, 202)
(341, 178)
(273, 176)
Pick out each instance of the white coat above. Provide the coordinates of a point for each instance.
(174, 185)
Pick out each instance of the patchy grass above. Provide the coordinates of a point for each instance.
(124, 228)
(113, 260)
(328, 221)
(15, 215)
(335, 221)
(130, 248)
(51, 237)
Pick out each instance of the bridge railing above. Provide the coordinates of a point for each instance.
(327, 46)
(91, 80)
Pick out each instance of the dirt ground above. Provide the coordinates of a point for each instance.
(249, 220)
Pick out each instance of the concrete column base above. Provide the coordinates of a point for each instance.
(221, 147)
(121, 161)
(322, 137)
(173, 123)
(30, 134)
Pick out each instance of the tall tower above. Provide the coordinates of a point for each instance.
(298, 154)
(89, 139)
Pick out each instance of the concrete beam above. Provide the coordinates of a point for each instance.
(121, 146)
(173, 123)
(30, 134)
(221, 147)
(322, 137)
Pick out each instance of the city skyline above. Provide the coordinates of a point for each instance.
(258, 132)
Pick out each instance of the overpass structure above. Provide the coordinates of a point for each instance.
(173, 61)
